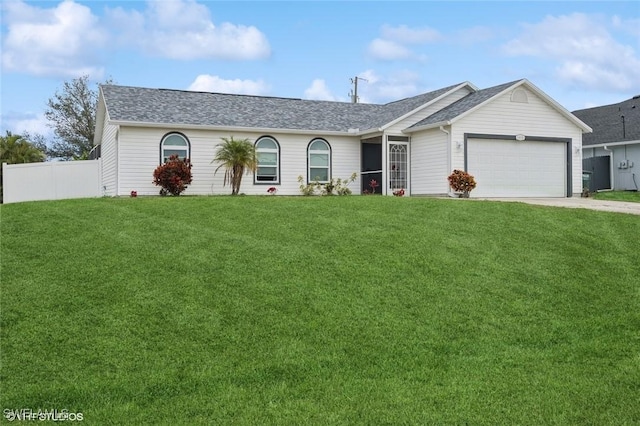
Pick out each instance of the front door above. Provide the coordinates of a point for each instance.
(398, 166)
(371, 168)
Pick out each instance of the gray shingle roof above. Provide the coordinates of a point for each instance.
(463, 105)
(143, 105)
(606, 122)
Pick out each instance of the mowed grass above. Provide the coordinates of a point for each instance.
(321, 310)
(628, 196)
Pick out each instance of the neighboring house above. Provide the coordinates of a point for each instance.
(612, 152)
(516, 140)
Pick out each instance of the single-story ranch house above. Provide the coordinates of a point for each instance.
(515, 140)
(611, 154)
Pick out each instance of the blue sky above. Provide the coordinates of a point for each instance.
(582, 54)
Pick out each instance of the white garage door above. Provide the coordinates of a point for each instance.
(510, 168)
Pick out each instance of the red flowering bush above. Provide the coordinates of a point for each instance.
(461, 181)
(399, 192)
(272, 190)
(173, 176)
(373, 184)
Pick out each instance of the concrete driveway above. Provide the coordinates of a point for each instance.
(578, 203)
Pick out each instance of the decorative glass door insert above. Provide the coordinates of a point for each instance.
(397, 171)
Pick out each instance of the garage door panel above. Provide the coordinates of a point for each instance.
(509, 168)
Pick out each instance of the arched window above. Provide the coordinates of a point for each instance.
(268, 155)
(174, 144)
(319, 161)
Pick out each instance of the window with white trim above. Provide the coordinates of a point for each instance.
(319, 161)
(268, 156)
(174, 144)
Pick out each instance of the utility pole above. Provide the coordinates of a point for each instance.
(354, 92)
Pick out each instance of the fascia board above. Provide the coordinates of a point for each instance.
(232, 128)
(426, 127)
(602, 145)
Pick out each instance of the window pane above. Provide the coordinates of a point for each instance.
(319, 159)
(271, 171)
(318, 145)
(175, 140)
(267, 158)
(319, 174)
(166, 153)
(266, 144)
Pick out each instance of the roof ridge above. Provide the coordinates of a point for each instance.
(427, 93)
(609, 105)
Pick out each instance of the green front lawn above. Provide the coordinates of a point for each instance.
(629, 196)
(320, 310)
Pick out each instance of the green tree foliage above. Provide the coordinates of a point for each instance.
(72, 114)
(15, 149)
(237, 156)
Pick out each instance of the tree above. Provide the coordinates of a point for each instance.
(38, 140)
(72, 115)
(237, 156)
(14, 149)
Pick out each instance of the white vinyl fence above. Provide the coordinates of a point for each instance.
(51, 181)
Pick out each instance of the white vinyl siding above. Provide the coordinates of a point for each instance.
(535, 118)
(138, 158)
(109, 156)
(429, 168)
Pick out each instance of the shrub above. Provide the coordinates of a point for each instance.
(173, 176)
(333, 187)
(399, 192)
(461, 181)
(373, 184)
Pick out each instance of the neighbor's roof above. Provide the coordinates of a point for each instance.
(164, 106)
(607, 123)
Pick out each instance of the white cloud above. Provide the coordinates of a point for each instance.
(388, 50)
(630, 26)
(213, 83)
(392, 87)
(404, 34)
(393, 43)
(319, 91)
(184, 30)
(19, 123)
(587, 55)
(59, 41)
(370, 76)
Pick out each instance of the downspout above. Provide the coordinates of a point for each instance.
(442, 129)
(610, 169)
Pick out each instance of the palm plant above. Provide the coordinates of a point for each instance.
(237, 156)
(14, 149)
